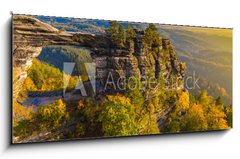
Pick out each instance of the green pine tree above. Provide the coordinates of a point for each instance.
(121, 36)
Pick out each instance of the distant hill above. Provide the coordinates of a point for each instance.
(77, 55)
(206, 51)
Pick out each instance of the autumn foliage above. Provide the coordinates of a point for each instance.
(133, 112)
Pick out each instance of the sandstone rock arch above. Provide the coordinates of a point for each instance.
(30, 35)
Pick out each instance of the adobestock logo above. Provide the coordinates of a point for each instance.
(112, 83)
(68, 68)
(192, 81)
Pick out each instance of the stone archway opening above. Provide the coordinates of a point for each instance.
(48, 79)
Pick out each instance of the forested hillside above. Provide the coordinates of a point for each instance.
(207, 52)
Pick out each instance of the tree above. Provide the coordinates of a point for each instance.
(174, 122)
(130, 34)
(90, 116)
(121, 36)
(47, 118)
(216, 119)
(133, 91)
(195, 119)
(151, 36)
(183, 101)
(44, 76)
(21, 113)
(80, 130)
(148, 123)
(113, 32)
(80, 105)
(118, 117)
(152, 40)
(50, 116)
(192, 99)
(146, 117)
(228, 111)
(219, 101)
(205, 100)
(117, 34)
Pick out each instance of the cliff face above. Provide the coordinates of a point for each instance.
(31, 35)
(138, 60)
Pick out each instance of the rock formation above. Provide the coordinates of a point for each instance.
(30, 35)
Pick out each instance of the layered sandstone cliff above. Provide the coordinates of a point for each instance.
(30, 35)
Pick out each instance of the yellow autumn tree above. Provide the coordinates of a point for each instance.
(205, 100)
(148, 119)
(118, 116)
(21, 113)
(51, 116)
(195, 119)
(216, 119)
(183, 101)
